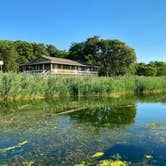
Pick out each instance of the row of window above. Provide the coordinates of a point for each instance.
(59, 66)
(55, 66)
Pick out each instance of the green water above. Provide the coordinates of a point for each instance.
(131, 129)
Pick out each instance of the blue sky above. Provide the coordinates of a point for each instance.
(139, 23)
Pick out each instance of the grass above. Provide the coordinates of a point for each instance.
(13, 85)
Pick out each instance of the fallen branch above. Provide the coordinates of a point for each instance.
(70, 111)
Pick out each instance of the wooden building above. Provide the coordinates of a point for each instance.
(53, 65)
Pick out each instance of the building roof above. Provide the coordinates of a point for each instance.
(55, 60)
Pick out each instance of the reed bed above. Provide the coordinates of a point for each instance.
(21, 85)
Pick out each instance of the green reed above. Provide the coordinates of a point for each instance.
(21, 85)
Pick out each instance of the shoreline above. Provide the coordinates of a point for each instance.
(112, 95)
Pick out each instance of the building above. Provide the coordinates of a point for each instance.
(59, 66)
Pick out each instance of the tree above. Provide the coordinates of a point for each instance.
(112, 57)
(160, 66)
(92, 50)
(76, 51)
(52, 50)
(9, 55)
(63, 54)
(120, 59)
(24, 50)
(39, 49)
(145, 70)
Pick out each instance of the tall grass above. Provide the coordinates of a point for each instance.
(13, 85)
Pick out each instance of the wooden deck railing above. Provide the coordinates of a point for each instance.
(62, 72)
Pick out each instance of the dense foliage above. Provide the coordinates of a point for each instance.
(112, 57)
(160, 67)
(152, 69)
(14, 53)
(26, 85)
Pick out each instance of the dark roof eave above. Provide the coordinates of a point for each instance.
(30, 64)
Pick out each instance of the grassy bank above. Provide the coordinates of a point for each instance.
(14, 86)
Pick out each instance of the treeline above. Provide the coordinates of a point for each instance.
(152, 69)
(14, 53)
(111, 57)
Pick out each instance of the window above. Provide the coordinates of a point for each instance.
(55, 66)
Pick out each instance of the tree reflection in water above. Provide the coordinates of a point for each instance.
(106, 115)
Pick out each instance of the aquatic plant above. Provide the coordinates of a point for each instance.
(112, 163)
(21, 85)
(97, 154)
(72, 138)
(148, 156)
(153, 124)
(26, 163)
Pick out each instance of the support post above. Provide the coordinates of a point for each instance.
(43, 67)
(51, 67)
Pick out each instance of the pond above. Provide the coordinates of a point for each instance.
(102, 131)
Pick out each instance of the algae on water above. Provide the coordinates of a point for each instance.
(97, 154)
(112, 163)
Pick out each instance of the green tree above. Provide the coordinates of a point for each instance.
(120, 59)
(63, 54)
(52, 50)
(9, 55)
(76, 51)
(145, 70)
(25, 51)
(160, 66)
(92, 50)
(112, 57)
(39, 49)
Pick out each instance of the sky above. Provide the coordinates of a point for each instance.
(141, 24)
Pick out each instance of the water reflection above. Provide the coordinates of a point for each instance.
(108, 125)
(106, 115)
(56, 105)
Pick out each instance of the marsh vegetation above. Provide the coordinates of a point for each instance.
(13, 85)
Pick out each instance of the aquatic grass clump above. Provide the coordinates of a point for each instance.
(144, 84)
(22, 85)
